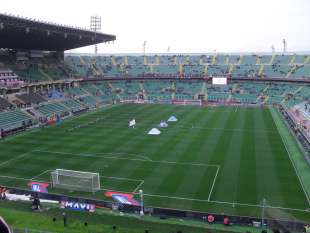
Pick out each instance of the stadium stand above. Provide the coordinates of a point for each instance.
(236, 66)
(13, 119)
(9, 78)
(31, 98)
(51, 109)
(4, 104)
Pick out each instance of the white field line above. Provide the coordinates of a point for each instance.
(24, 179)
(15, 158)
(121, 178)
(109, 177)
(129, 159)
(138, 187)
(43, 181)
(224, 202)
(293, 164)
(220, 129)
(124, 153)
(214, 180)
(181, 198)
(146, 125)
(42, 173)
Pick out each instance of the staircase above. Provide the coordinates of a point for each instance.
(291, 71)
(299, 89)
(213, 59)
(230, 69)
(98, 90)
(307, 60)
(187, 59)
(263, 94)
(200, 61)
(292, 60)
(157, 60)
(45, 74)
(204, 90)
(232, 91)
(234, 88)
(181, 69)
(226, 60)
(82, 61)
(240, 60)
(173, 87)
(261, 70)
(206, 70)
(113, 61)
(93, 66)
(113, 89)
(272, 59)
(175, 60)
(143, 90)
(266, 99)
(126, 61)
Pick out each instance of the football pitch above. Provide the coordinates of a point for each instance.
(213, 159)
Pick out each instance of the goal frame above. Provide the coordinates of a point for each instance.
(73, 173)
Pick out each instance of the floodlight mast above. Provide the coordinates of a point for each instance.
(144, 47)
(95, 25)
(284, 45)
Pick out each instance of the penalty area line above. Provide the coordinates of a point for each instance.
(16, 158)
(138, 187)
(224, 202)
(97, 155)
(214, 180)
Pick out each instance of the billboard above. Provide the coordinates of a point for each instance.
(79, 206)
(123, 198)
(38, 186)
(219, 81)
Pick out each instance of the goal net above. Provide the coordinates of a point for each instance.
(75, 180)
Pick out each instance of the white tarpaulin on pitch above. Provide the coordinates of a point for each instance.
(132, 123)
(172, 119)
(154, 131)
(163, 124)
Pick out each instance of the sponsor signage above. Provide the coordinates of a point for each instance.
(79, 206)
(38, 187)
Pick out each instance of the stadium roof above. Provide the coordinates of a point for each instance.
(28, 34)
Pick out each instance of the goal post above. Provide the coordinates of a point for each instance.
(75, 180)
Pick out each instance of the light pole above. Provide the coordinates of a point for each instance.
(168, 49)
(144, 46)
(95, 25)
(284, 45)
(141, 202)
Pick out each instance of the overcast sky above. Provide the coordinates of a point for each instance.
(191, 26)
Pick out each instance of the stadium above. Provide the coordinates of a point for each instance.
(172, 142)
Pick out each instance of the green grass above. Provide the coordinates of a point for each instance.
(237, 153)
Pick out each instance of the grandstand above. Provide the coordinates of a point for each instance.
(246, 142)
(254, 66)
(14, 119)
